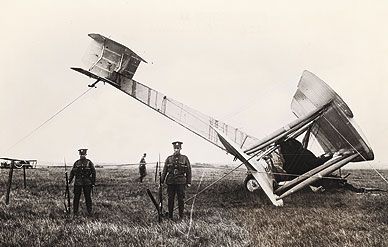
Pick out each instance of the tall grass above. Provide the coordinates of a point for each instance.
(224, 215)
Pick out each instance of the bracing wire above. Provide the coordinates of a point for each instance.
(288, 174)
(200, 119)
(216, 181)
(192, 205)
(251, 102)
(356, 150)
(48, 120)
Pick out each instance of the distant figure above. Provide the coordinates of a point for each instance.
(142, 168)
(85, 179)
(177, 173)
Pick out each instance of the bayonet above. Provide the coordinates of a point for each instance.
(67, 191)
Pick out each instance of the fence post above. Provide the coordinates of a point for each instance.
(24, 176)
(9, 183)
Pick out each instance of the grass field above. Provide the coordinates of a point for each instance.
(224, 215)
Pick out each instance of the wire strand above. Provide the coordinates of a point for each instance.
(48, 120)
(192, 205)
(362, 156)
(210, 185)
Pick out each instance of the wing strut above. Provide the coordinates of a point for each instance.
(259, 169)
(321, 173)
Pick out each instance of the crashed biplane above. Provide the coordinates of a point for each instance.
(279, 164)
(17, 163)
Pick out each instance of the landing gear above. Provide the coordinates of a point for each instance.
(251, 184)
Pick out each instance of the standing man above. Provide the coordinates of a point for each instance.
(142, 168)
(85, 179)
(176, 174)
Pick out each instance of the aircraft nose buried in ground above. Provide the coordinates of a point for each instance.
(278, 164)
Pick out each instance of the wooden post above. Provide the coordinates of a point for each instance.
(24, 176)
(9, 183)
(156, 171)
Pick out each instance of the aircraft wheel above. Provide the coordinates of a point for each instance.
(251, 184)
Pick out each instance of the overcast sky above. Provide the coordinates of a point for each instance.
(236, 60)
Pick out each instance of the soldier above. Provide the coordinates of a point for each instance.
(85, 178)
(177, 174)
(142, 168)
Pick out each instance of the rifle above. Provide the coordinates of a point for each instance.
(156, 170)
(158, 205)
(66, 202)
(160, 193)
(154, 202)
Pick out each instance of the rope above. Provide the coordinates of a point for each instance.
(134, 164)
(356, 150)
(183, 108)
(275, 173)
(210, 185)
(252, 102)
(223, 168)
(48, 120)
(192, 205)
(381, 175)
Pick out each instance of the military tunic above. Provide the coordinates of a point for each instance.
(142, 169)
(176, 174)
(85, 178)
(177, 170)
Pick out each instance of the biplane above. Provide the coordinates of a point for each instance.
(278, 164)
(17, 163)
(11, 164)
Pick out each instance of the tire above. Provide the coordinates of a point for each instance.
(251, 184)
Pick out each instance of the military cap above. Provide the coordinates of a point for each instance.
(82, 151)
(177, 144)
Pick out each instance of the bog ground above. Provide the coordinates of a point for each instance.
(224, 215)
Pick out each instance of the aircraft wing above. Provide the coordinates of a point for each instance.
(115, 64)
(336, 129)
(332, 122)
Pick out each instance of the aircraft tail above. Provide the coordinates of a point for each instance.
(336, 129)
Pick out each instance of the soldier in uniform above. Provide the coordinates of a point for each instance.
(142, 168)
(85, 178)
(177, 175)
